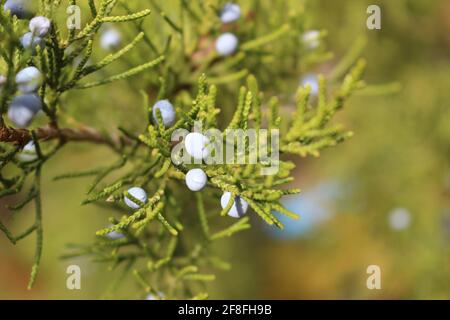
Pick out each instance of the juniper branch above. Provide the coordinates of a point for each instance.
(84, 134)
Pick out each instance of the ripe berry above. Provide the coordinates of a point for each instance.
(399, 219)
(19, 8)
(31, 42)
(239, 208)
(110, 39)
(226, 44)
(230, 13)
(28, 153)
(196, 179)
(137, 193)
(167, 112)
(29, 79)
(196, 145)
(311, 80)
(40, 26)
(114, 235)
(23, 108)
(311, 39)
(151, 296)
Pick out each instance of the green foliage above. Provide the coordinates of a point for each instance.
(161, 246)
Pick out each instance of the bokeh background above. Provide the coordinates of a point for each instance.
(382, 198)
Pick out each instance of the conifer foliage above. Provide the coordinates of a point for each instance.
(197, 56)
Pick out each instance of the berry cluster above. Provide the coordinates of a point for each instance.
(227, 42)
(147, 178)
(196, 145)
(27, 103)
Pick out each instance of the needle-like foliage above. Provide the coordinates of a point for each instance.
(166, 243)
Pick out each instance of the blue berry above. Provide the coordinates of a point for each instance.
(19, 8)
(138, 194)
(239, 208)
(40, 26)
(312, 81)
(230, 13)
(226, 44)
(196, 179)
(28, 153)
(167, 112)
(311, 39)
(114, 235)
(399, 219)
(110, 39)
(159, 296)
(23, 108)
(29, 79)
(30, 41)
(196, 145)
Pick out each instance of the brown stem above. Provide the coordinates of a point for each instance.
(49, 132)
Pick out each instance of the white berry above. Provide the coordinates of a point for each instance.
(28, 153)
(311, 80)
(29, 79)
(311, 39)
(226, 44)
(196, 145)
(239, 208)
(20, 116)
(399, 219)
(151, 296)
(23, 108)
(196, 179)
(167, 112)
(31, 42)
(138, 194)
(40, 26)
(230, 13)
(110, 39)
(114, 235)
(18, 8)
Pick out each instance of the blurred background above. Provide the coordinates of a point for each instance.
(381, 198)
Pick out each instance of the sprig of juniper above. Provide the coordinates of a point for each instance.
(56, 64)
(161, 245)
(161, 216)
